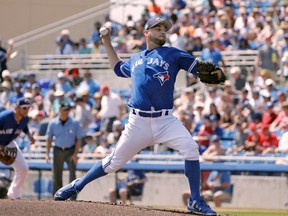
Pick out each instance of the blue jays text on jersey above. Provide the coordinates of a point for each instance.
(10, 128)
(153, 73)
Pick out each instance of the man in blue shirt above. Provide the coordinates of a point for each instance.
(219, 187)
(67, 135)
(132, 185)
(12, 123)
(153, 74)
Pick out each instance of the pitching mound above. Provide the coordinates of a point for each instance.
(81, 208)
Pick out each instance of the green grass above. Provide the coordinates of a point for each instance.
(238, 212)
(254, 212)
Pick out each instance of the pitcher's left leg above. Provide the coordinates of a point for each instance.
(178, 138)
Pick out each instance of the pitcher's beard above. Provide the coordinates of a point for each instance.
(158, 41)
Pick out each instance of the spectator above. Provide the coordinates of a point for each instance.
(269, 58)
(83, 114)
(241, 135)
(283, 147)
(281, 99)
(95, 125)
(18, 90)
(62, 83)
(95, 37)
(205, 133)
(111, 105)
(31, 79)
(216, 127)
(5, 56)
(184, 118)
(83, 49)
(68, 136)
(268, 141)
(73, 76)
(154, 9)
(253, 139)
(212, 54)
(59, 98)
(219, 184)
(88, 148)
(88, 84)
(64, 43)
(282, 118)
(6, 97)
(97, 98)
(214, 149)
(132, 185)
(237, 78)
(6, 76)
(103, 149)
(114, 136)
(269, 115)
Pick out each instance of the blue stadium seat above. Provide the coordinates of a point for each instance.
(39, 186)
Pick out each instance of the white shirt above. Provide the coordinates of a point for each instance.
(110, 105)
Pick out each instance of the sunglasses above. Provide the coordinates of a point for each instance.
(25, 108)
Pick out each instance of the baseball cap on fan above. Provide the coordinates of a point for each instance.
(152, 22)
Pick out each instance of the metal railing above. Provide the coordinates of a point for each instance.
(100, 61)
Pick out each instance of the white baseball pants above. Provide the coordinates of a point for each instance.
(20, 172)
(141, 132)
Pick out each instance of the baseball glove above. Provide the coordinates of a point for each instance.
(8, 155)
(209, 73)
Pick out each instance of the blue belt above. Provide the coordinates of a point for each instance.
(155, 114)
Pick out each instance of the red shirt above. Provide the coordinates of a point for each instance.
(270, 141)
(205, 131)
(268, 118)
(254, 138)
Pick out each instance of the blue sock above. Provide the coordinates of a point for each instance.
(192, 171)
(95, 172)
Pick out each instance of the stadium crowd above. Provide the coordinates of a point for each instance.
(249, 113)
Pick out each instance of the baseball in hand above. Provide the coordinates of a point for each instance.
(104, 30)
(10, 42)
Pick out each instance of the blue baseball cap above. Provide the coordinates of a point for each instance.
(23, 102)
(152, 22)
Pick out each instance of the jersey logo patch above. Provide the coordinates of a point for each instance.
(162, 77)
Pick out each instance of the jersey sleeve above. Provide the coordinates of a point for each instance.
(187, 62)
(122, 69)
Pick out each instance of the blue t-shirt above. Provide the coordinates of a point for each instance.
(133, 175)
(65, 135)
(10, 128)
(153, 74)
(220, 178)
(213, 56)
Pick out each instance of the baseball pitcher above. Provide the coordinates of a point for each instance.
(153, 73)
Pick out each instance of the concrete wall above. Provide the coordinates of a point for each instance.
(165, 190)
(20, 16)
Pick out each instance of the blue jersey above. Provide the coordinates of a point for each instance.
(10, 128)
(153, 74)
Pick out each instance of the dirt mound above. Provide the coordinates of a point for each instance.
(79, 208)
